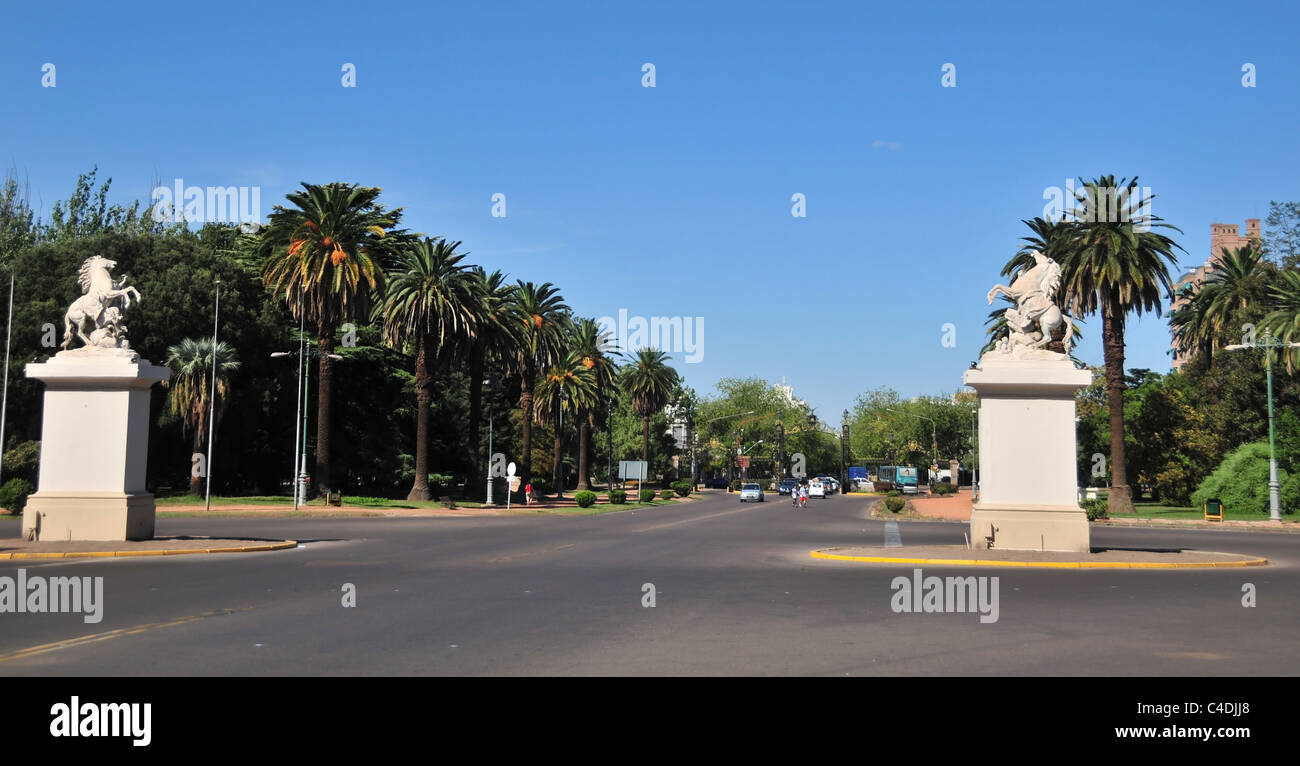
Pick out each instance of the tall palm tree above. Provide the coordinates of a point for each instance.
(1116, 264)
(429, 305)
(1240, 280)
(539, 314)
(648, 381)
(189, 387)
(326, 254)
(587, 341)
(567, 386)
(1283, 322)
(494, 341)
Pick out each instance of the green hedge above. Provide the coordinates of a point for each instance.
(1096, 508)
(13, 495)
(617, 496)
(1241, 482)
(668, 494)
(682, 488)
(942, 488)
(647, 495)
(585, 498)
(541, 487)
(894, 504)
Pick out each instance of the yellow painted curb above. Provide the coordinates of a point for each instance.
(1042, 564)
(165, 552)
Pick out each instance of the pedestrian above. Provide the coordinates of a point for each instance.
(528, 493)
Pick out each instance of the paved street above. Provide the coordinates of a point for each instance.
(736, 593)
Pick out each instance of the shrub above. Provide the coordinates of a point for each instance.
(735, 485)
(893, 493)
(682, 488)
(1241, 480)
(647, 495)
(668, 494)
(617, 496)
(13, 495)
(942, 488)
(1096, 508)
(893, 503)
(541, 487)
(585, 498)
(24, 460)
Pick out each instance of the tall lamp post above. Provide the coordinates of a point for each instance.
(4, 398)
(1268, 343)
(844, 453)
(488, 382)
(212, 401)
(559, 434)
(609, 443)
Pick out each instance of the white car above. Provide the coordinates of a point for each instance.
(751, 492)
(816, 489)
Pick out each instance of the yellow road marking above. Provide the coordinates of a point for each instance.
(70, 643)
(1043, 564)
(694, 518)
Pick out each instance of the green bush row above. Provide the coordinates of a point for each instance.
(893, 503)
(13, 495)
(585, 498)
(618, 496)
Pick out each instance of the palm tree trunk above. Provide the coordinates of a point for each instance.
(423, 396)
(526, 427)
(559, 447)
(476, 362)
(584, 447)
(324, 421)
(196, 482)
(1112, 332)
(645, 439)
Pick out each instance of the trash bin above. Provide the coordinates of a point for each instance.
(1213, 509)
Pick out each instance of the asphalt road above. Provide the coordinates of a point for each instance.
(735, 593)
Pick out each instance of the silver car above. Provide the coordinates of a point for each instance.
(751, 492)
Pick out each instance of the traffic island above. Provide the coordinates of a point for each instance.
(18, 550)
(1097, 558)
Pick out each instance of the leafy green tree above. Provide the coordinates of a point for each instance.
(1284, 320)
(325, 255)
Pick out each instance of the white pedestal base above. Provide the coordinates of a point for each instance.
(94, 447)
(1028, 476)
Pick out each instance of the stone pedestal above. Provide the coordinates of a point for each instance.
(94, 447)
(1028, 498)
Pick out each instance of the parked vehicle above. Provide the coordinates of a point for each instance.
(907, 479)
(716, 483)
(751, 491)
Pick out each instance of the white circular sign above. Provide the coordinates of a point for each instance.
(510, 470)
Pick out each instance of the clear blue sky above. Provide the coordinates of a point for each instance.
(675, 201)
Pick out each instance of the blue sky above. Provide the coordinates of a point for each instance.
(676, 200)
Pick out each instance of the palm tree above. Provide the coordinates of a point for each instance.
(326, 255)
(1116, 267)
(495, 340)
(568, 386)
(539, 314)
(1240, 280)
(429, 304)
(587, 341)
(189, 387)
(1283, 322)
(648, 381)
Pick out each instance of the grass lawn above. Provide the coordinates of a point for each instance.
(366, 502)
(1158, 511)
(593, 510)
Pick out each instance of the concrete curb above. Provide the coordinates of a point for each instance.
(1246, 562)
(161, 552)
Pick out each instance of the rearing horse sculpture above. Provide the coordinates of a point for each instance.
(1034, 293)
(99, 292)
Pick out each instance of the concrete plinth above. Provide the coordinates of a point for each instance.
(1028, 497)
(94, 447)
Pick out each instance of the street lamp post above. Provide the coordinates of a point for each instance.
(4, 398)
(609, 443)
(844, 453)
(1268, 343)
(559, 435)
(488, 383)
(212, 402)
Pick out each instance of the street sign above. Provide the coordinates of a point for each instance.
(633, 469)
(743, 462)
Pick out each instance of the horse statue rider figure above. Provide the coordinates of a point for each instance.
(100, 305)
(1036, 315)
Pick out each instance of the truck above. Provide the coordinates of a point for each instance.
(906, 479)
